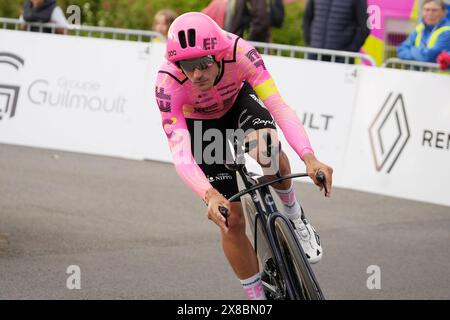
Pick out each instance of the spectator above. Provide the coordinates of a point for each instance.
(431, 36)
(162, 21)
(217, 10)
(44, 11)
(251, 15)
(336, 25)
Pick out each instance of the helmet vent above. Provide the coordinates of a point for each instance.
(182, 39)
(191, 37)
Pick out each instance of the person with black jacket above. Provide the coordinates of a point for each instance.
(43, 11)
(251, 15)
(336, 24)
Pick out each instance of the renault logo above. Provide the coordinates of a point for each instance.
(389, 133)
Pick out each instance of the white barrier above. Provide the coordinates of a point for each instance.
(97, 96)
(76, 94)
(400, 140)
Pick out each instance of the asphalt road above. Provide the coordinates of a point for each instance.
(136, 232)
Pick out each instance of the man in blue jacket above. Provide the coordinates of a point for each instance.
(430, 37)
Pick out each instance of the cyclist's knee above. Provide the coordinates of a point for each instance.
(285, 166)
(236, 220)
(259, 140)
(265, 149)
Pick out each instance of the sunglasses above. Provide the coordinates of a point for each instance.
(201, 63)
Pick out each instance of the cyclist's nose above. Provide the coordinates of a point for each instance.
(198, 73)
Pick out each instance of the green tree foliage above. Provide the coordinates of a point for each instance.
(10, 8)
(129, 14)
(138, 14)
(291, 32)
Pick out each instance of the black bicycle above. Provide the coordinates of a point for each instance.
(286, 272)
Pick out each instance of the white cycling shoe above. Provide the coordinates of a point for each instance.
(309, 239)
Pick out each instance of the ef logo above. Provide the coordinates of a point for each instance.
(374, 280)
(209, 43)
(74, 280)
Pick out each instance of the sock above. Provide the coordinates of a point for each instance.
(253, 287)
(291, 207)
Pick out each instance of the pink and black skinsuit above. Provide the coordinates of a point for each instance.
(234, 102)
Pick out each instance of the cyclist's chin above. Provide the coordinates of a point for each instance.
(204, 85)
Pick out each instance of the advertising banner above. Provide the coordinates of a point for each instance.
(74, 94)
(400, 139)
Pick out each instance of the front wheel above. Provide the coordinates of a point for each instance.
(273, 283)
(299, 272)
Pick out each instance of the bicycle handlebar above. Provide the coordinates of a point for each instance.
(320, 176)
(266, 183)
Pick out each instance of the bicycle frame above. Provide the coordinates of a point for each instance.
(267, 212)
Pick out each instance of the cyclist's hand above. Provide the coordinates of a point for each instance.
(214, 199)
(313, 166)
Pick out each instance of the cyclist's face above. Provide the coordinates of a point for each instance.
(203, 79)
(432, 13)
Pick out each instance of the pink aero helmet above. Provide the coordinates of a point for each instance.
(194, 35)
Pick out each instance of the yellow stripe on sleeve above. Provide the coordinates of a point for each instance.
(266, 89)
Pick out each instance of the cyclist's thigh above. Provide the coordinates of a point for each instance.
(210, 154)
(255, 120)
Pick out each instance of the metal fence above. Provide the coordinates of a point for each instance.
(396, 63)
(314, 53)
(147, 36)
(86, 31)
(265, 48)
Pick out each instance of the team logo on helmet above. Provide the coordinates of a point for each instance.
(209, 43)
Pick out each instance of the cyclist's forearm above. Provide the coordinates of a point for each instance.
(309, 158)
(180, 146)
(290, 124)
(185, 165)
(210, 193)
(283, 115)
(194, 177)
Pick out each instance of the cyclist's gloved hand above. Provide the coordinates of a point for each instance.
(214, 199)
(313, 166)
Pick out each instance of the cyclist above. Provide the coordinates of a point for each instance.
(212, 82)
